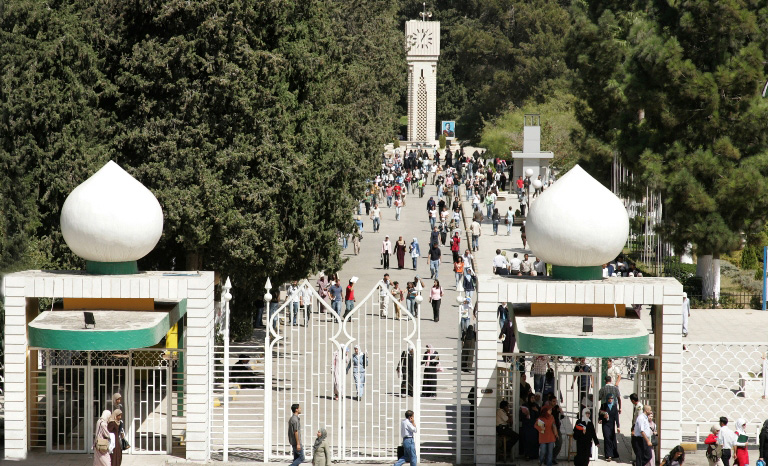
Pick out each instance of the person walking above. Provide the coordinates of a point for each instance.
(101, 441)
(763, 438)
(336, 372)
(455, 246)
(458, 271)
(522, 235)
(476, 230)
(469, 281)
(398, 207)
(294, 435)
(384, 296)
(609, 418)
(547, 435)
(641, 437)
(742, 455)
(435, 297)
(727, 441)
(434, 260)
(349, 297)
(376, 217)
(415, 251)
(400, 252)
(336, 292)
(407, 430)
(321, 453)
(584, 434)
(113, 427)
(713, 449)
(509, 219)
(357, 236)
(496, 218)
(431, 362)
(686, 313)
(465, 315)
(405, 371)
(386, 250)
(358, 362)
(468, 342)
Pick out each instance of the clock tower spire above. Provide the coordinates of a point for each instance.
(422, 46)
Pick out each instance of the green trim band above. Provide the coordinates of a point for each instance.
(592, 272)
(97, 339)
(111, 268)
(585, 346)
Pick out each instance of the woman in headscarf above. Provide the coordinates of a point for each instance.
(101, 458)
(507, 334)
(714, 450)
(468, 348)
(431, 361)
(336, 368)
(113, 427)
(584, 434)
(117, 403)
(742, 457)
(764, 441)
(321, 454)
(358, 362)
(609, 418)
(415, 252)
(400, 251)
(405, 370)
(529, 444)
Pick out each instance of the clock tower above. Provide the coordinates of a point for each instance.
(422, 47)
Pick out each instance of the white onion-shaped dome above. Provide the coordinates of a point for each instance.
(111, 217)
(577, 222)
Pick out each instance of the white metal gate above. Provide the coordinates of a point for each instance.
(312, 364)
(80, 384)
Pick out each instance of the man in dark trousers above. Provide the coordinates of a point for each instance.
(294, 435)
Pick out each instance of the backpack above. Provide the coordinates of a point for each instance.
(714, 452)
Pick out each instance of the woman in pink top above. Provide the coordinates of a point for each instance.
(435, 296)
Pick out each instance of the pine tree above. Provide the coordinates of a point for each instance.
(674, 88)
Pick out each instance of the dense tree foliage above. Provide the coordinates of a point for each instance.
(255, 123)
(496, 53)
(674, 88)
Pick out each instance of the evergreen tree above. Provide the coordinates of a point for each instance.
(675, 89)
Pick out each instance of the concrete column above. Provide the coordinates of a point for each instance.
(669, 326)
(486, 374)
(198, 372)
(16, 372)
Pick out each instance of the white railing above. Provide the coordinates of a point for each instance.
(722, 379)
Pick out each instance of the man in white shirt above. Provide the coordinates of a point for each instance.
(641, 438)
(613, 371)
(726, 438)
(539, 267)
(407, 431)
(500, 264)
(514, 265)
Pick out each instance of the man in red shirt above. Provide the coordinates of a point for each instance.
(519, 183)
(349, 296)
(455, 246)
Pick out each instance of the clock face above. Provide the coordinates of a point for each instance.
(419, 40)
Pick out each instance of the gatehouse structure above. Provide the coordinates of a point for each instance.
(576, 226)
(110, 329)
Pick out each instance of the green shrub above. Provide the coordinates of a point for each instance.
(749, 257)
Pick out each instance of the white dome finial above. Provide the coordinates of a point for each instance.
(577, 222)
(111, 217)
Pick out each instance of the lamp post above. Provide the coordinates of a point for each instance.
(267, 372)
(226, 297)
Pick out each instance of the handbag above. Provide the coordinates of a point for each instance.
(381, 260)
(102, 445)
(400, 452)
(125, 444)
